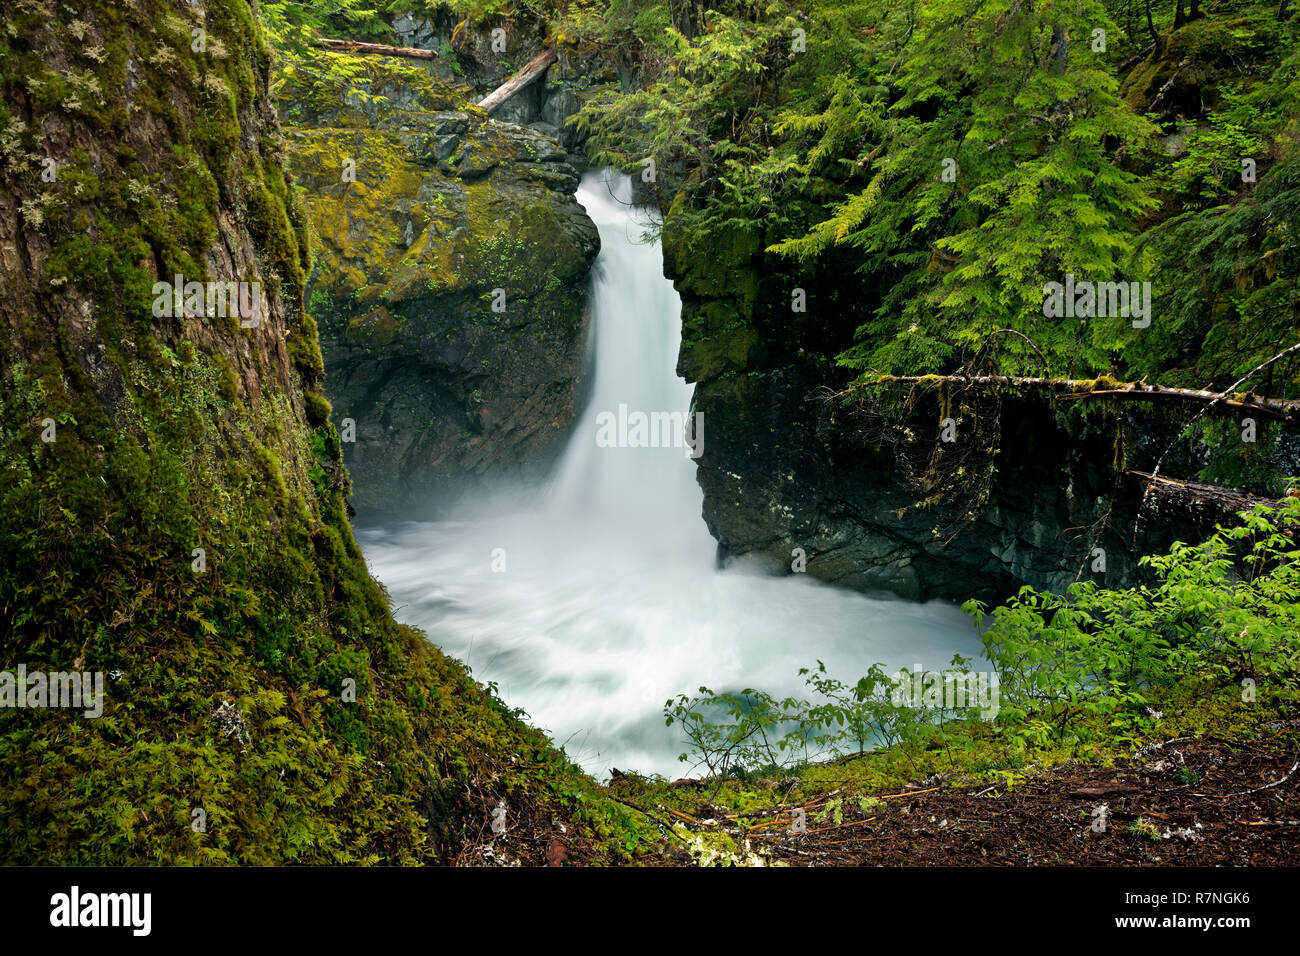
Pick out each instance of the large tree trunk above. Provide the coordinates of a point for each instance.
(1199, 498)
(173, 490)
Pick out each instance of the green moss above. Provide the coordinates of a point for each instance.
(336, 90)
(181, 435)
(1206, 55)
(229, 381)
(318, 409)
(377, 327)
(707, 353)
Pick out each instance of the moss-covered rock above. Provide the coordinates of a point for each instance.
(450, 280)
(1197, 63)
(1029, 486)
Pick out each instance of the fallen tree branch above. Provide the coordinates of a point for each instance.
(1270, 823)
(1137, 521)
(380, 49)
(667, 827)
(1135, 59)
(811, 804)
(1199, 493)
(1275, 407)
(1245, 793)
(905, 793)
(1272, 407)
(678, 813)
(770, 823)
(531, 71)
(973, 380)
(1276, 783)
(1151, 107)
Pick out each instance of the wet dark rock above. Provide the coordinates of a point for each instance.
(443, 207)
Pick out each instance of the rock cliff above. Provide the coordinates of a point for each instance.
(450, 279)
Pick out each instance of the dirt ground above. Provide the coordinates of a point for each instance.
(1204, 802)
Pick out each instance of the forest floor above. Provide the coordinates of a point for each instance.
(1221, 787)
(1189, 802)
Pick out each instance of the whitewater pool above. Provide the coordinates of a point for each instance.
(591, 601)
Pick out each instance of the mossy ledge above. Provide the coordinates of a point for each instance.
(173, 435)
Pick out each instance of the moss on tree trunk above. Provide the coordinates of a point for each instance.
(173, 494)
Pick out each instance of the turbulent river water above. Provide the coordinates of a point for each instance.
(592, 600)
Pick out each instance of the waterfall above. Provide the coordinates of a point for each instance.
(638, 332)
(591, 602)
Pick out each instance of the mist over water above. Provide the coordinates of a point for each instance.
(609, 602)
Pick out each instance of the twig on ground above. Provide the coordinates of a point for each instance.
(1243, 793)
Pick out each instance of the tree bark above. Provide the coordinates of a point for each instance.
(1060, 50)
(1151, 26)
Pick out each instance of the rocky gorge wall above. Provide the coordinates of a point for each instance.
(1033, 487)
(451, 273)
(444, 393)
(862, 481)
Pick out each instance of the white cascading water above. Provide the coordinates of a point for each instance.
(609, 602)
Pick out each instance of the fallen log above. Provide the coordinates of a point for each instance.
(1194, 493)
(381, 49)
(974, 380)
(1271, 407)
(531, 71)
